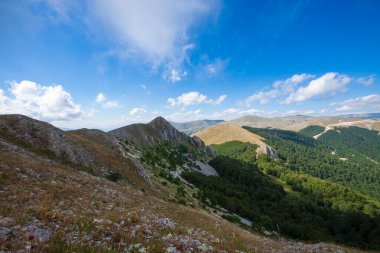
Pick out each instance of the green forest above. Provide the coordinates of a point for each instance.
(302, 200)
(312, 130)
(321, 158)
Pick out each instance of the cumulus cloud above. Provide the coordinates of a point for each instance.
(366, 102)
(48, 103)
(137, 111)
(280, 87)
(105, 103)
(367, 80)
(195, 98)
(325, 86)
(156, 30)
(263, 97)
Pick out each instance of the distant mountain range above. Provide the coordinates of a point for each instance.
(361, 116)
(192, 127)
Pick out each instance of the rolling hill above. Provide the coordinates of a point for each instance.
(226, 132)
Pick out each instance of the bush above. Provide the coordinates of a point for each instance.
(114, 176)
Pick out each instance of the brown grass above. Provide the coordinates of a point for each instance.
(35, 188)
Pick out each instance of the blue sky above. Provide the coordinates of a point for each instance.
(104, 64)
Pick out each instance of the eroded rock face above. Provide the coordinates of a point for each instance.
(43, 138)
(268, 150)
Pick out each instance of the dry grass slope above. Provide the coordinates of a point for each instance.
(226, 132)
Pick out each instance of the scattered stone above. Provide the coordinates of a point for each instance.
(165, 223)
(68, 212)
(6, 221)
(41, 234)
(5, 233)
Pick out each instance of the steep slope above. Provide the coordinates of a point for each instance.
(42, 137)
(306, 154)
(192, 127)
(277, 198)
(157, 131)
(226, 132)
(50, 205)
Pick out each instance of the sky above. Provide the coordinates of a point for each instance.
(108, 63)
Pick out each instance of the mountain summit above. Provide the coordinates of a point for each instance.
(156, 131)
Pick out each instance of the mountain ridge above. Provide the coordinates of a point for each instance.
(194, 126)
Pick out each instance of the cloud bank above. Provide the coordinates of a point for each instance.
(48, 103)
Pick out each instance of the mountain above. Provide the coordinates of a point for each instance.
(150, 188)
(298, 122)
(361, 116)
(156, 131)
(226, 132)
(43, 138)
(192, 127)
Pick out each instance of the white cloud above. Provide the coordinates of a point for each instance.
(194, 98)
(137, 111)
(156, 30)
(216, 67)
(49, 103)
(107, 104)
(219, 100)
(175, 76)
(263, 97)
(367, 80)
(327, 85)
(280, 87)
(366, 102)
(344, 108)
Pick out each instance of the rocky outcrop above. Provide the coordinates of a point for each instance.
(42, 138)
(268, 150)
(157, 131)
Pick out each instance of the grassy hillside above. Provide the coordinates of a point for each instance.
(310, 209)
(226, 132)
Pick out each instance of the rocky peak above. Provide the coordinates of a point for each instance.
(156, 131)
(42, 137)
(160, 121)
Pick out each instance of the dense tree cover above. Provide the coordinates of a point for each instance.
(312, 130)
(316, 158)
(313, 209)
(245, 152)
(355, 143)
